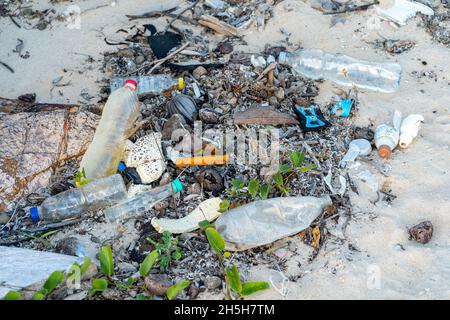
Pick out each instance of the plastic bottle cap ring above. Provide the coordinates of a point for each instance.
(34, 214)
(177, 186)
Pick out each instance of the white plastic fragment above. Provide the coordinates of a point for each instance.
(20, 268)
(402, 10)
(207, 210)
(147, 157)
(409, 129)
(258, 62)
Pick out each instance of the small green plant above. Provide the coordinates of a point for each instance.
(238, 194)
(168, 250)
(80, 178)
(176, 289)
(12, 295)
(230, 271)
(50, 284)
(106, 261)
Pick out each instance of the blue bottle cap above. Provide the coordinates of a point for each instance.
(34, 214)
(177, 186)
(121, 166)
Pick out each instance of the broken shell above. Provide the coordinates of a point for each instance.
(183, 105)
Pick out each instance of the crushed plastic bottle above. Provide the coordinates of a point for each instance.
(106, 149)
(344, 70)
(141, 202)
(386, 137)
(409, 129)
(153, 84)
(265, 221)
(73, 203)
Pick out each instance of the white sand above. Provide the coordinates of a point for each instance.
(419, 176)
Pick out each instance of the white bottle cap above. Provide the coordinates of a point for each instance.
(405, 140)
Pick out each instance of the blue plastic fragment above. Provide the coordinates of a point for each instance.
(342, 108)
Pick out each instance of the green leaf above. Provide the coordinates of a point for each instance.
(85, 265)
(226, 254)
(48, 234)
(253, 188)
(130, 281)
(233, 278)
(177, 255)
(249, 288)
(205, 224)
(307, 168)
(38, 296)
(284, 168)
(176, 289)
(99, 285)
(148, 263)
(141, 296)
(278, 178)
(237, 183)
(106, 261)
(224, 205)
(264, 191)
(215, 239)
(12, 295)
(53, 281)
(297, 158)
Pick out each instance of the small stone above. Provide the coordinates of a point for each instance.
(161, 206)
(71, 246)
(421, 232)
(126, 267)
(273, 101)
(41, 25)
(125, 53)
(279, 94)
(4, 218)
(193, 292)
(224, 47)
(233, 101)
(157, 284)
(211, 180)
(198, 72)
(194, 188)
(213, 283)
(174, 124)
(140, 59)
(209, 116)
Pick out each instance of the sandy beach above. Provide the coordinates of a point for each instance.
(373, 259)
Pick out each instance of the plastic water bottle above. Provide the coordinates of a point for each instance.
(141, 202)
(74, 202)
(153, 84)
(106, 150)
(265, 221)
(344, 70)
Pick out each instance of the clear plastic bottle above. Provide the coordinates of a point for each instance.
(72, 203)
(141, 202)
(265, 221)
(344, 70)
(153, 84)
(106, 149)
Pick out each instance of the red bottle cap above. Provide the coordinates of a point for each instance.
(131, 84)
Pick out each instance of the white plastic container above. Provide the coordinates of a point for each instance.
(344, 70)
(74, 202)
(265, 221)
(409, 129)
(386, 137)
(106, 149)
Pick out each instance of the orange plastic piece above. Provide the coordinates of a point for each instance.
(201, 161)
